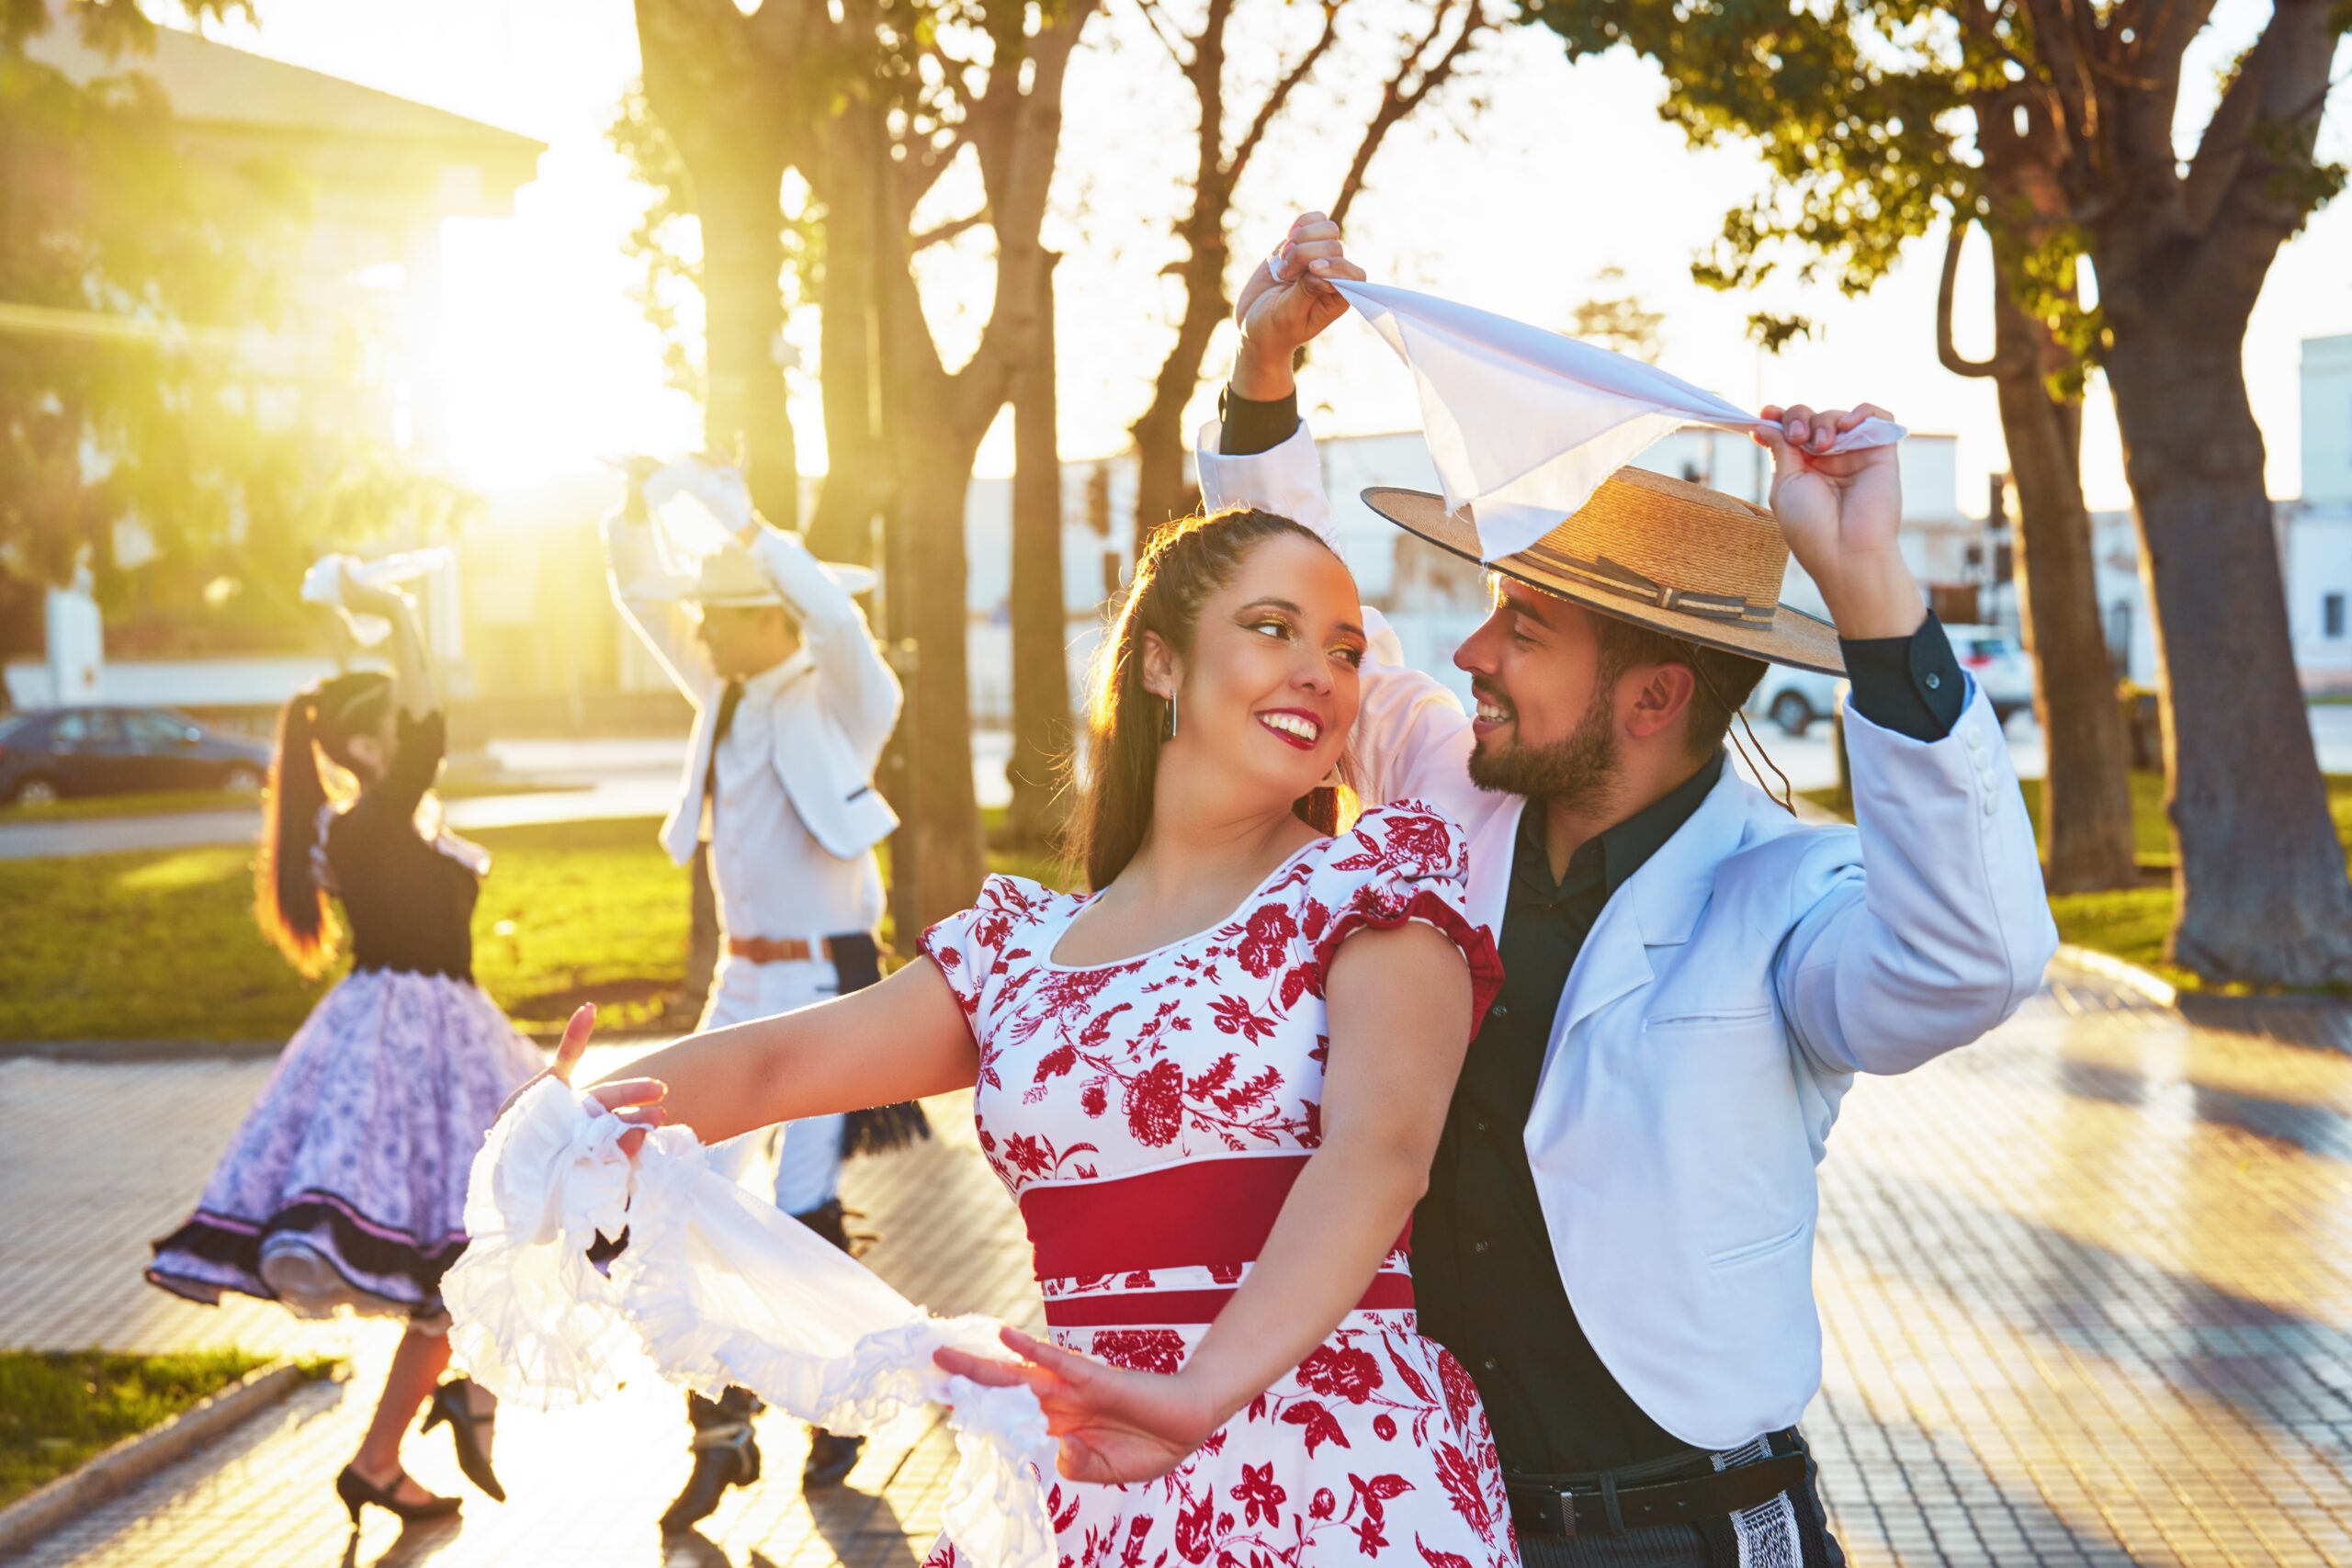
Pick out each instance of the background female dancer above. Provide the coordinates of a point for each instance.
(346, 1184)
(1214, 1086)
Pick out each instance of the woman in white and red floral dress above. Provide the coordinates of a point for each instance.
(1214, 1085)
(1150, 1116)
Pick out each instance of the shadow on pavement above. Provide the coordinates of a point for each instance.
(2313, 1129)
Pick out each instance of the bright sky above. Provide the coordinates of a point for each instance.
(1537, 175)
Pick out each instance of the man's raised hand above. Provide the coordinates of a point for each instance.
(634, 1100)
(1842, 515)
(1287, 302)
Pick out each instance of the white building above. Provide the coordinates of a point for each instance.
(2316, 532)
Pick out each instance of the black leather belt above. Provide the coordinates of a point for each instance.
(1606, 1508)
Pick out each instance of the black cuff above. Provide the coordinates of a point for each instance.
(1909, 685)
(1251, 427)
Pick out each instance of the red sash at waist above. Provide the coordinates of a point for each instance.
(1208, 1213)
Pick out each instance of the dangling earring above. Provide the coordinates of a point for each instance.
(1168, 722)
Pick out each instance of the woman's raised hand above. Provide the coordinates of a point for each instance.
(634, 1100)
(1287, 301)
(1113, 1425)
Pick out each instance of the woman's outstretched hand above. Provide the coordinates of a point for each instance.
(634, 1100)
(1113, 1425)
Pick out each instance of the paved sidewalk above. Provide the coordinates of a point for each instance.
(2086, 1286)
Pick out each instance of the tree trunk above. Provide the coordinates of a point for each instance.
(843, 526)
(937, 858)
(1159, 433)
(1041, 727)
(2087, 838)
(745, 413)
(2263, 892)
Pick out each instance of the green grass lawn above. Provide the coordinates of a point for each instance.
(162, 944)
(172, 802)
(2132, 923)
(58, 1409)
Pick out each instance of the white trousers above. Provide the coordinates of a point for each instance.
(809, 1163)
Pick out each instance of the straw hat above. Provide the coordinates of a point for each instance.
(729, 577)
(1662, 553)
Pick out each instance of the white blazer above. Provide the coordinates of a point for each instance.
(1719, 1010)
(829, 732)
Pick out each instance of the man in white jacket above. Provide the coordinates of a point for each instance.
(794, 703)
(1618, 1234)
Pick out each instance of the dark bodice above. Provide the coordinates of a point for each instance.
(408, 905)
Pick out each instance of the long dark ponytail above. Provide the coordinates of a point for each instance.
(289, 898)
(1183, 564)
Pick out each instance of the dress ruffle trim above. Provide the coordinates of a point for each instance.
(717, 1289)
(1477, 945)
(343, 1238)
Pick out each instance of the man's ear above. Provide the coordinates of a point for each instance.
(1163, 673)
(1663, 696)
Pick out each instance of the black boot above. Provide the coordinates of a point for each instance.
(830, 1455)
(726, 1454)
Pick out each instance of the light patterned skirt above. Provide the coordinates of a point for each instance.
(345, 1187)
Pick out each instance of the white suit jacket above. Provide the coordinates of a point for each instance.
(829, 731)
(1719, 1010)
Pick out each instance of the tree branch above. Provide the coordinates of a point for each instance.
(1283, 90)
(2057, 42)
(1946, 349)
(1160, 30)
(2150, 89)
(1398, 101)
(953, 71)
(946, 232)
(2271, 182)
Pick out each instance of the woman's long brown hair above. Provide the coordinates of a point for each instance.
(288, 900)
(1185, 563)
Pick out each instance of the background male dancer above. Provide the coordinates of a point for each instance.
(793, 704)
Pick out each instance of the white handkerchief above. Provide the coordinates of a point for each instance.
(717, 1288)
(1524, 425)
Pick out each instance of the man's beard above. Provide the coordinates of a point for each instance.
(1578, 774)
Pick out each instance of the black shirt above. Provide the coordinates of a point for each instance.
(1486, 1284)
(409, 906)
(1484, 1280)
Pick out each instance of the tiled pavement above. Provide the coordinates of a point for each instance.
(2086, 1287)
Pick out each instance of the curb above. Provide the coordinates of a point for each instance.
(140, 1455)
(2130, 977)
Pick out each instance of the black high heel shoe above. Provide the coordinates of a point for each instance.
(356, 1492)
(450, 1405)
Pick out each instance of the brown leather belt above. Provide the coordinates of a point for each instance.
(780, 950)
(1538, 1508)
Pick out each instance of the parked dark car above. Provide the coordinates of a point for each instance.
(49, 753)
